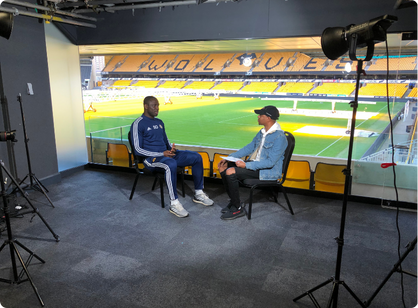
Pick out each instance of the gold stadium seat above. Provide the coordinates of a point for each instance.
(216, 159)
(118, 154)
(207, 165)
(329, 177)
(298, 174)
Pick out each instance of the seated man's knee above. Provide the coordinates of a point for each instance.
(230, 171)
(171, 163)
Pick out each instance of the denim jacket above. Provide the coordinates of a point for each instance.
(272, 154)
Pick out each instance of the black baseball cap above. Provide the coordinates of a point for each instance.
(270, 111)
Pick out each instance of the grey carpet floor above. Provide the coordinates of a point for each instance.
(114, 252)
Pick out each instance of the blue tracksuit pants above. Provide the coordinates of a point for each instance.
(169, 165)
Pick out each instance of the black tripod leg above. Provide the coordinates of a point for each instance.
(29, 251)
(39, 183)
(353, 295)
(43, 190)
(57, 238)
(309, 292)
(35, 210)
(27, 273)
(395, 268)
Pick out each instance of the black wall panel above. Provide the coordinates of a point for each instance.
(23, 60)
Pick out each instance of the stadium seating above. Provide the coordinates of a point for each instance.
(262, 87)
(329, 178)
(157, 64)
(339, 65)
(237, 65)
(274, 62)
(168, 84)
(413, 92)
(256, 183)
(132, 63)
(379, 89)
(217, 157)
(395, 64)
(313, 65)
(335, 88)
(121, 84)
(199, 85)
(146, 83)
(118, 154)
(300, 63)
(229, 86)
(207, 164)
(296, 87)
(298, 175)
(185, 63)
(114, 62)
(214, 63)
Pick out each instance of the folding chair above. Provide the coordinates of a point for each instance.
(256, 183)
(118, 154)
(159, 176)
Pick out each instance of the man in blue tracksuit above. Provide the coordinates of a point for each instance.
(150, 141)
(266, 154)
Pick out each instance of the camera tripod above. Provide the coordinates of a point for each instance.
(34, 183)
(13, 244)
(34, 210)
(396, 268)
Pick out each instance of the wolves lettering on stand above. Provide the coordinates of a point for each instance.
(311, 61)
(186, 62)
(342, 64)
(206, 67)
(155, 68)
(271, 67)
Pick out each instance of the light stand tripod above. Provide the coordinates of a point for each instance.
(13, 243)
(340, 240)
(34, 210)
(395, 268)
(34, 183)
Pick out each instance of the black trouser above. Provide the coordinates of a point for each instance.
(231, 183)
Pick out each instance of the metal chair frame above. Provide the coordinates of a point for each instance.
(159, 176)
(255, 183)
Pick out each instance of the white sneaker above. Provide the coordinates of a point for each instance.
(203, 198)
(177, 209)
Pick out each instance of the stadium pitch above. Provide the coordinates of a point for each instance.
(230, 123)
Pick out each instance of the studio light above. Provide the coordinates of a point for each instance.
(6, 24)
(404, 4)
(337, 41)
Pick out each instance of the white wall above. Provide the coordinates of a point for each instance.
(66, 96)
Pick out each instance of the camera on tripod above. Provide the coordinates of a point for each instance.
(11, 135)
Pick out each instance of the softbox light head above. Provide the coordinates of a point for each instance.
(6, 24)
(336, 41)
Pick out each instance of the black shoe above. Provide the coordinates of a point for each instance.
(232, 214)
(226, 208)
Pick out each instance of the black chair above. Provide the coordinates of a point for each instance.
(159, 176)
(256, 183)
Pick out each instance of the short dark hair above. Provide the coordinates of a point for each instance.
(149, 99)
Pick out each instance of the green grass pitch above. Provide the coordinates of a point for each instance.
(231, 123)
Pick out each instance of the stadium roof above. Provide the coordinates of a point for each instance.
(303, 44)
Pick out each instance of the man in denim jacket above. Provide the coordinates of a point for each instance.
(266, 154)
